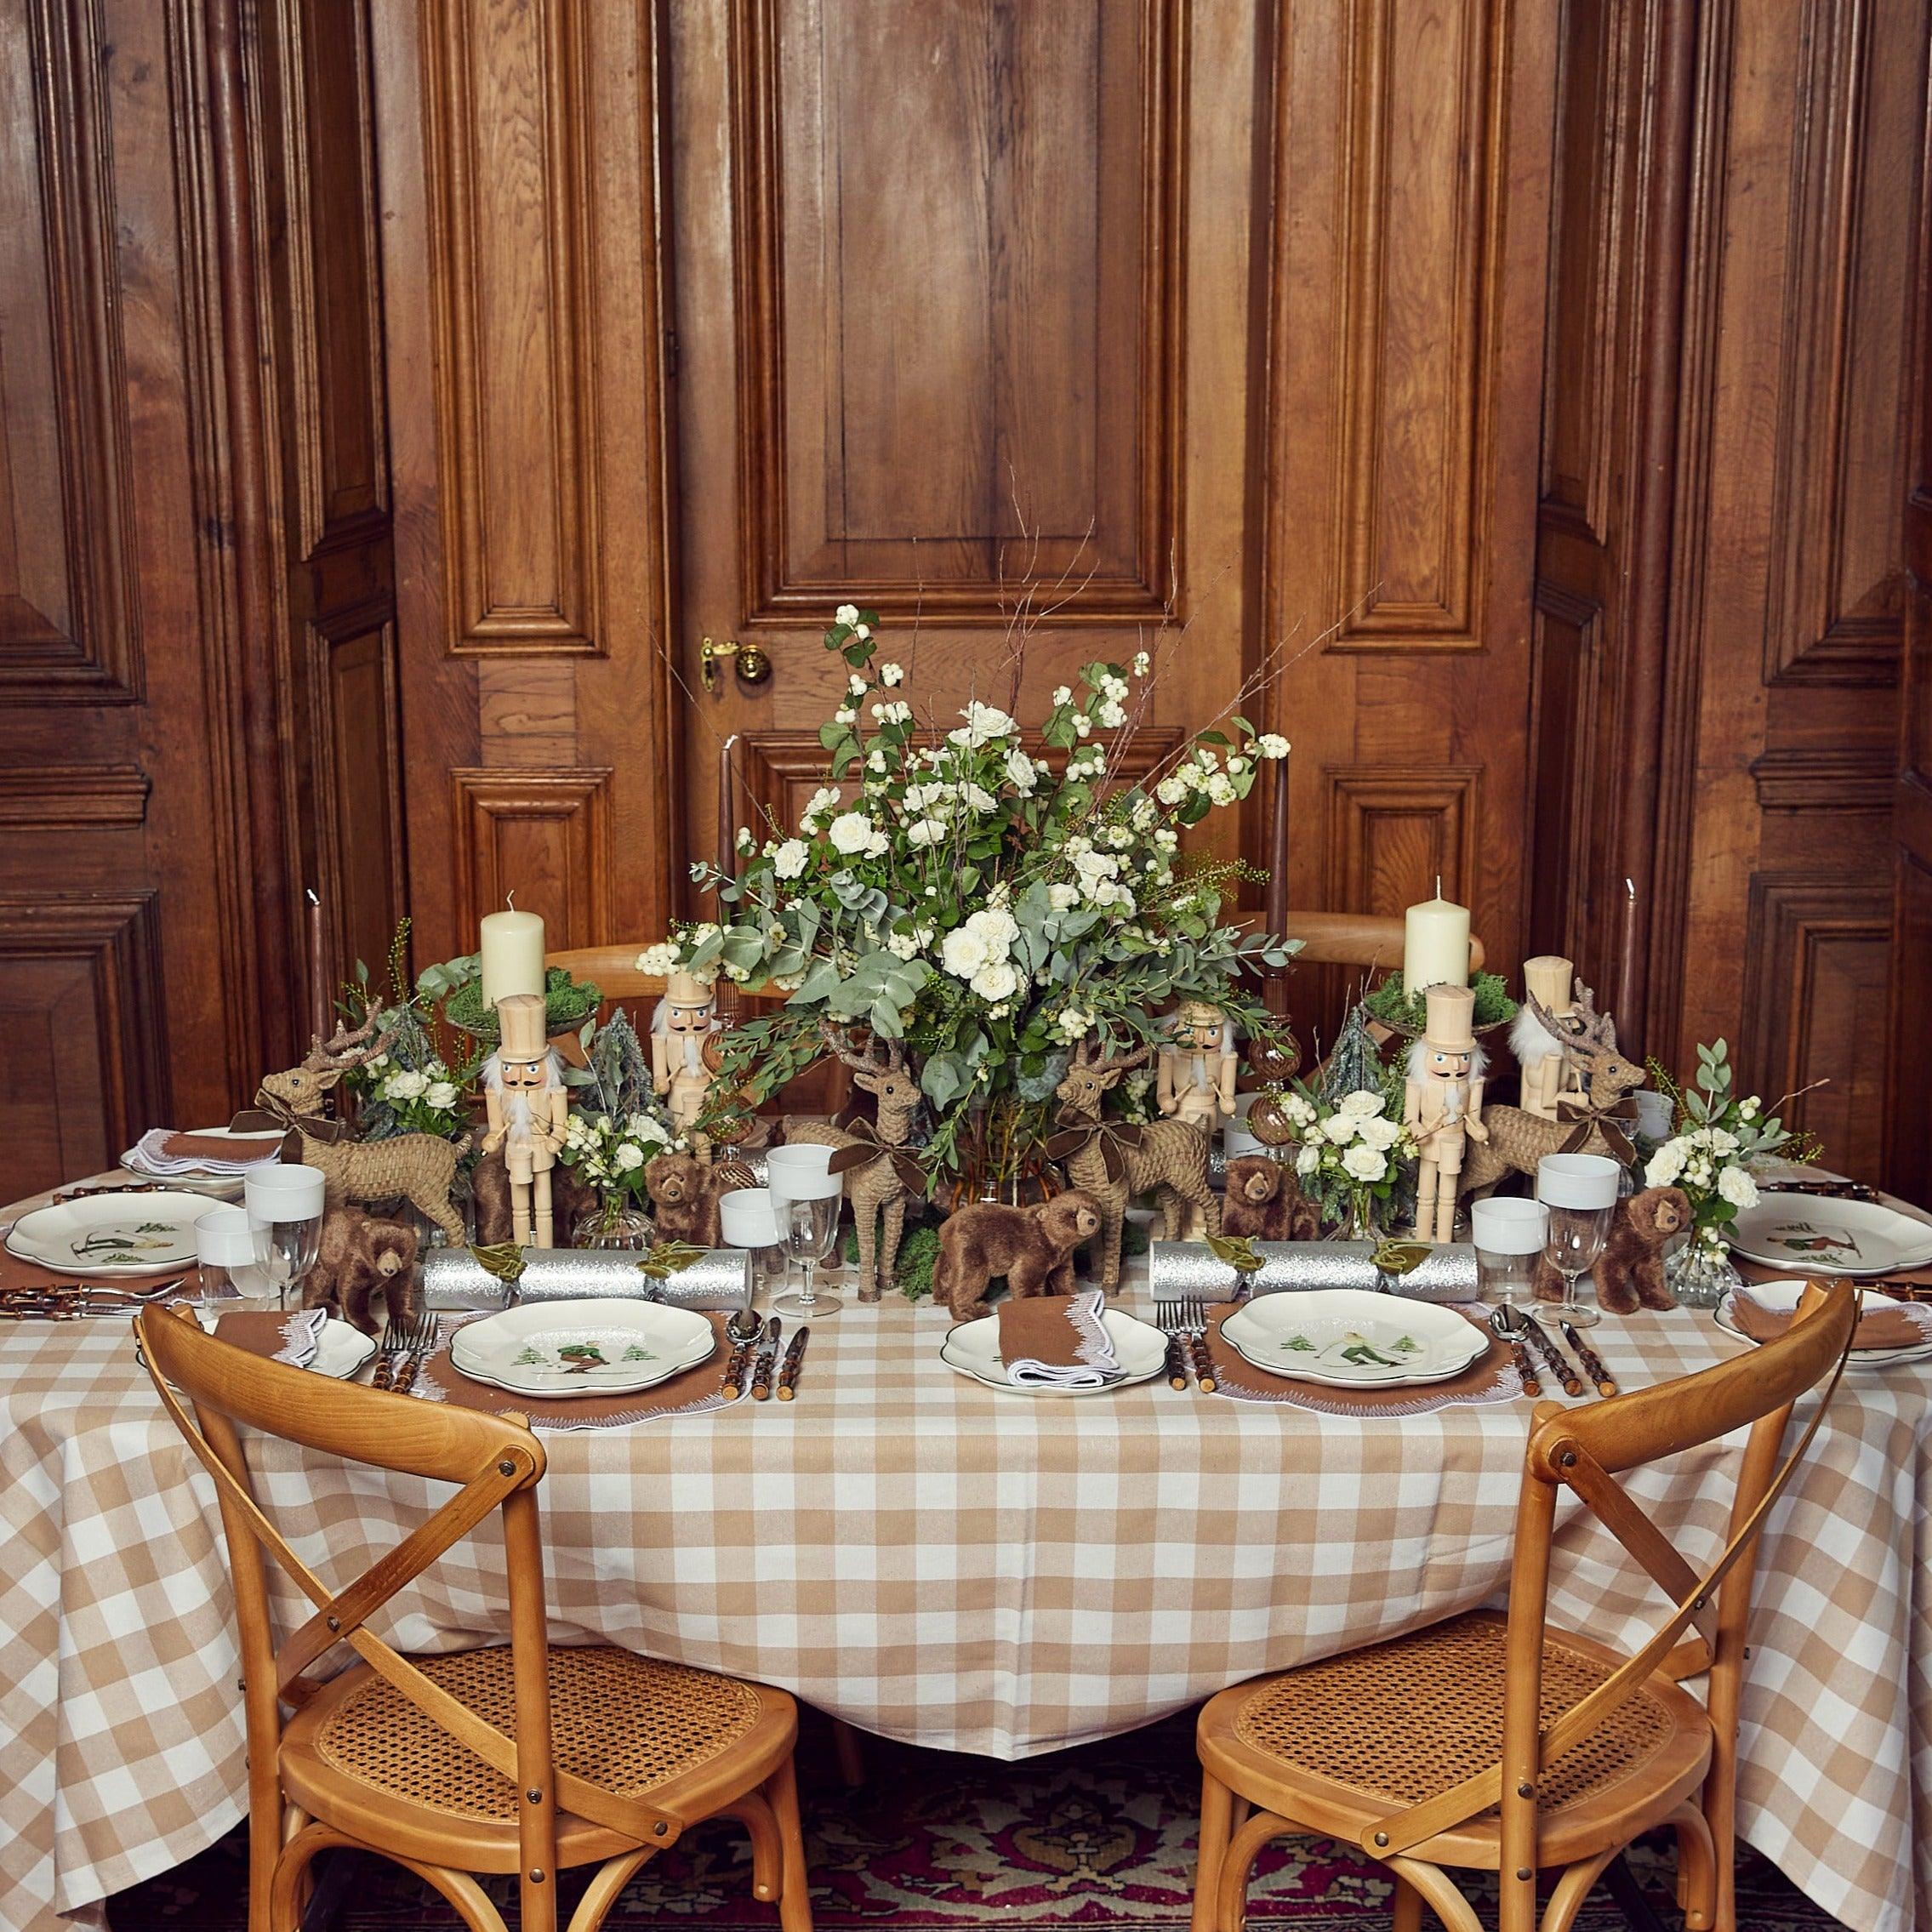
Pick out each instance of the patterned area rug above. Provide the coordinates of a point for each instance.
(1099, 1837)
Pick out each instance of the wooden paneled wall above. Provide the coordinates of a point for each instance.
(1720, 583)
(132, 842)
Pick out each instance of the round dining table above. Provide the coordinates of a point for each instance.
(929, 1559)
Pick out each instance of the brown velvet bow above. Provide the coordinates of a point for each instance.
(270, 1111)
(1604, 1119)
(1115, 1136)
(868, 1148)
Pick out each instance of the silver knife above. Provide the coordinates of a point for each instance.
(764, 1362)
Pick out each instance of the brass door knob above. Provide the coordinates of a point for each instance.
(753, 661)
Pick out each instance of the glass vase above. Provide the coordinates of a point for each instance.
(617, 1222)
(1700, 1273)
(1358, 1220)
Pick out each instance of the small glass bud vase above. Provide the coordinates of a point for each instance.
(617, 1222)
(1700, 1273)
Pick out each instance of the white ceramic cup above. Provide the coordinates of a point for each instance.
(289, 1193)
(1653, 1116)
(224, 1237)
(748, 1219)
(805, 1187)
(1235, 1139)
(1577, 1180)
(783, 1165)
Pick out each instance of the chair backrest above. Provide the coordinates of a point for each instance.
(498, 1463)
(1583, 1449)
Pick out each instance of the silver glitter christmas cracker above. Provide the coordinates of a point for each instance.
(1186, 1267)
(452, 1278)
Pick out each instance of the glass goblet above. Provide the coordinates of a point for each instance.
(1581, 1193)
(811, 1224)
(285, 1207)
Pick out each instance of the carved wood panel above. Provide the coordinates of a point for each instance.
(1394, 835)
(545, 836)
(959, 317)
(82, 1033)
(69, 610)
(1820, 945)
(510, 224)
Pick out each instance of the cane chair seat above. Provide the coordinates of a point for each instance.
(637, 1727)
(1359, 1737)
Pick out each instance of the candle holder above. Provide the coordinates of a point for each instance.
(1391, 1005)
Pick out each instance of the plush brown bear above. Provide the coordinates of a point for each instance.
(685, 1196)
(1264, 1202)
(362, 1256)
(1032, 1247)
(571, 1200)
(1630, 1272)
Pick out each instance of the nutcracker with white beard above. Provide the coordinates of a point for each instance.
(1551, 1075)
(680, 1030)
(528, 1107)
(1443, 1105)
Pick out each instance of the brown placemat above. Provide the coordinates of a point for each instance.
(1491, 1377)
(438, 1380)
(1899, 1326)
(16, 1275)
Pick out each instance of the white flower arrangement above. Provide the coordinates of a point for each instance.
(612, 1151)
(1717, 1138)
(1349, 1152)
(948, 887)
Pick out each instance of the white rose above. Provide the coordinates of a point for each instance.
(408, 1085)
(997, 980)
(847, 613)
(851, 831)
(1665, 1164)
(1722, 1142)
(1308, 1160)
(1021, 772)
(1340, 1128)
(1381, 1133)
(1366, 1163)
(1738, 1188)
(984, 722)
(892, 673)
(963, 952)
(1062, 898)
(1361, 1102)
(789, 859)
(627, 1157)
(996, 927)
(979, 799)
(926, 832)
(441, 1093)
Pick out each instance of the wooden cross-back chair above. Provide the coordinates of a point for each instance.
(1498, 1743)
(522, 1758)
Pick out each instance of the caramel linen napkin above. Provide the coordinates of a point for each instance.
(1058, 1341)
(1883, 1326)
(214, 1147)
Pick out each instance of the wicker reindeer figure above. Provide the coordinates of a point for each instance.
(1113, 1161)
(880, 1175)
(1518, 1139)
(417, 1168)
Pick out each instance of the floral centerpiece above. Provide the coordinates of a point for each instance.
(405, 1088)
(1348, 1152)
(987, 899)
(617, 1126)
(1717, 1138)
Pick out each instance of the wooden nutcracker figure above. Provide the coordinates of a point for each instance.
(528, 1104)
(1196, 1077)
(1549, 1073)
(680, 1030)
(1443, 1105)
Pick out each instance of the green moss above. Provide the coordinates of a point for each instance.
(568, 1004)
(1134, 1238)
(1388, 1005)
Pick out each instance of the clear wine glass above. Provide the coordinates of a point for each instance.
(1581, 1193)
(285, 1206)
(811, 1223)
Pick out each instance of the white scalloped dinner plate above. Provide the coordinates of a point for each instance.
(625, 1346)
(972, 1350)
(1830, 1237)
(1350, 1338)
(112, 1237)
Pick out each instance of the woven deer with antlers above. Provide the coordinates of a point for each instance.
(1519, 1139)
(1113, 1161)
(417, 1168)
(880, 1175)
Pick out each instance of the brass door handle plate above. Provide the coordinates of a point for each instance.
(753, 661)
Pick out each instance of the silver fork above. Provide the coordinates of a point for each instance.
(422, 1339)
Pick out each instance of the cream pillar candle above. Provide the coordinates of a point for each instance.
(512, 955)
(1435, 950)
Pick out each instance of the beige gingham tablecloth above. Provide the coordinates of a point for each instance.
(941, 1563)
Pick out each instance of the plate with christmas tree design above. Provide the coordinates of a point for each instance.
(1350, 1338)
(587, 1347)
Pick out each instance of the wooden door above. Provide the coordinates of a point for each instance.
(140, 843)
(963, 302)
